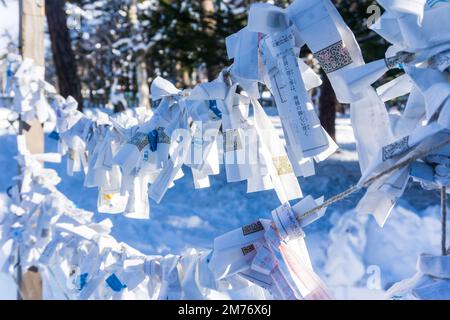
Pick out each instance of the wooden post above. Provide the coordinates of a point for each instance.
(32, 46)
(32, 23)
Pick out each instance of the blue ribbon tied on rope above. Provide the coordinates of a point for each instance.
(153, 140)
(213, 107)
(54, 135)
(80, 281)
(114, 283)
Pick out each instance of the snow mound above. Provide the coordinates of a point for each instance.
(364, 260)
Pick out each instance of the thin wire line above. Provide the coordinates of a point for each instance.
(368, 182)
(444, 220)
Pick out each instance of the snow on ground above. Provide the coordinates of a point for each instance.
(9, 17)
(355, 257)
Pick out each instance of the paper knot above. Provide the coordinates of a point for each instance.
(162, 88)
(399, 59)
(152, 268)
(286, 222)
(265, 260)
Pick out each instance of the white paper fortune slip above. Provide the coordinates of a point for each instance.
(306, 136)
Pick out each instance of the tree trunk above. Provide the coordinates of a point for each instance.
(63, 57)
(327, 106)
(209, 23)
(207, 15)
(142, 82)
(141, 66)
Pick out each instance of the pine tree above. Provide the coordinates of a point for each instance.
(63, 56)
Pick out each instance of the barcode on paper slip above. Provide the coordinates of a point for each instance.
(395, 149)
(140, 140)
(252, 228)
